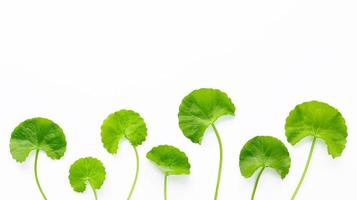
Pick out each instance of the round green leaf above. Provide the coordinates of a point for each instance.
(86, 170)
(200, 109)
(264, 151)
(37, 134)
(123, 123)
(320, 120)
(169, 159)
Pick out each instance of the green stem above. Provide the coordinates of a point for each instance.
(256, 183)
(136, 173)
(94, 192)
(220, 161)
(36, 176)
(165, 186)
(305, 170)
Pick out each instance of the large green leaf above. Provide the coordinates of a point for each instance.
(320, 120)
(123, 123)
(169, 159)
(200, 109)
(86, 170)
(37, 134)
(262, 152)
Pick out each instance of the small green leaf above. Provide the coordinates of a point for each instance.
(262, 152)
(86, 170)
(169, 159)
(200, 109)
(37, 134)
(319, 120)
(123, 123)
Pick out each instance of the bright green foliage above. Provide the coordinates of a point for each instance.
(120, 124)
(124, 124)
(37, 134)
(262, 152)
(86, 170)
(169, 159)
(200, 109)
(319, 120)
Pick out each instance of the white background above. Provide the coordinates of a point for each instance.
(76, 61)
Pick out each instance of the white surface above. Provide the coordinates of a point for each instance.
(77, 61)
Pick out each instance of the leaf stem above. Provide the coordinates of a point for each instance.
(165, 186)
(256, 182)
(36, 176)
(94, 192)
(220, 161)
(136, 173)
(305, 170)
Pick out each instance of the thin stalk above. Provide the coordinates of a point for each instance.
(165, 186)
(94, 192)
(305, 170)
(36, 176)
(220, 161)
(136, 173)
(256, 183)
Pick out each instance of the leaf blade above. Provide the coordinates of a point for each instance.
(200, 109)
(264, 151)
(86, 170)
(123, 124)
(320, 120)
(37, 133)
(169, 159)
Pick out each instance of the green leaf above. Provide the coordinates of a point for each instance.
(37, 134)
(169, 159)
(319, 120)
(200, 109)
(262, 152)
(123, 123)
(86, 170)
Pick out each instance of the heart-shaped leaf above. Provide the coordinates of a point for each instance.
(319, 120)
(86, 171)
(123, 123)
(263, 152)
(37, 134)
(169, 159)
(200, 109)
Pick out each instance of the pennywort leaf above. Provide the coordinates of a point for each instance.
(85, 171)
(170, 160)
(37, 134)
(124, 124)
(199, 110)
(317, 120)
(263, 152)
